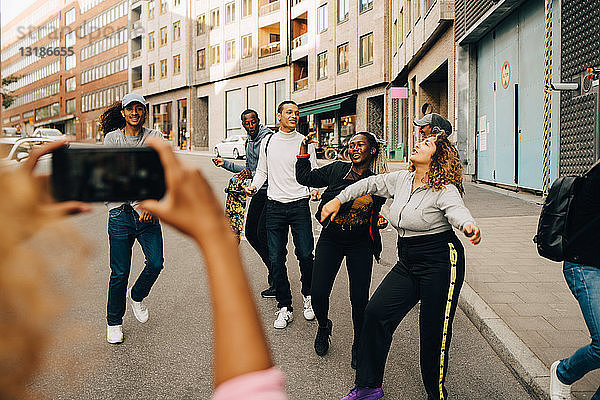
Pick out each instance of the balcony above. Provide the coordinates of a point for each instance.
(301, 84)
(299, 41)
(271, 48)
(269, 8)
(136, 53)
(136, 84)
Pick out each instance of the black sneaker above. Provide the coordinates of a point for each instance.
(322, 340)
(268, 293)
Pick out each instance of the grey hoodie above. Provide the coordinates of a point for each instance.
(252, 153)
(422, 212)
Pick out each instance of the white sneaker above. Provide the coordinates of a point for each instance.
(558, 390)
(309, 314)
(284, 317)
(139, 308)
(114, 333)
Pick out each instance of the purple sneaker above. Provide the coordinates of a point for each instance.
(359, 393)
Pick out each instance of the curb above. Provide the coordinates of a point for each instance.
(524, 364)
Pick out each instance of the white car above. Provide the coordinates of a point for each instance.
(49, 133)
(15, 150)
(233, 147)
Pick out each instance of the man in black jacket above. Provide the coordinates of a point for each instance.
(582, 273)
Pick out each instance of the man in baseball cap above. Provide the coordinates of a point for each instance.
(430, 120)
(131, 98)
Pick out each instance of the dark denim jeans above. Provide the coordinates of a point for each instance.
(124, 228)
(584, 282)
(280, 217)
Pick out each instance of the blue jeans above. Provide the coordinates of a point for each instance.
(584, 282)
(124, 227)
(280, 217)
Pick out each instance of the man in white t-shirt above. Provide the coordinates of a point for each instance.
(287, 207)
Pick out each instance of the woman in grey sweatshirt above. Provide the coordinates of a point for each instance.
(427, 204)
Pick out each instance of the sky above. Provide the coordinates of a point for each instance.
(11, 8)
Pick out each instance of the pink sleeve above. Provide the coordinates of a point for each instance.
(261, 385)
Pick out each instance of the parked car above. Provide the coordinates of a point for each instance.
(10, 132)
(50, 133)
(234, 147)
(15, 150)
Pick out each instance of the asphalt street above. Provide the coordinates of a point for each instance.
(169, 357)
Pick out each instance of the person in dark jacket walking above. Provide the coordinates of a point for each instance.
(353, 234)
(430, 268)
(256, 231)
(582, 273)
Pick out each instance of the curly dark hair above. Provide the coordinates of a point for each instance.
(446, 167)
(112, 119)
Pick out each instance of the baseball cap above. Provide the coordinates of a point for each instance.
(133, 97)
(434, 119)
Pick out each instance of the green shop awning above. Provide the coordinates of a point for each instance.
(325, 106)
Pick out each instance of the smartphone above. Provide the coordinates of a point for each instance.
(94, 174)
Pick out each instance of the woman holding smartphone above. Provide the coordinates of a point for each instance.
(431, 264)
(353, 234)
(123, 125)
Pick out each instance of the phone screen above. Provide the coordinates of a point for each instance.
(107, 174)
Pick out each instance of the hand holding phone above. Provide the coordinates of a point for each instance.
(94, 174)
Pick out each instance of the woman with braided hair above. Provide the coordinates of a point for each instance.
(427, 204)
(353, 234)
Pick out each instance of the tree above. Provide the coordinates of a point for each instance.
(7, 98)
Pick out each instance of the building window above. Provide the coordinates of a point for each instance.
(274, 94)
(215, 54)
(229, 50)
(428, 4)
(70, 106)
(365, 5)
(417, 4)
(215, 18)
(322, 18)
(201, 59)
(176, 3)
(150, 41)
(163, 68)
(200, 24)
(151, 72)
(51, 110)
(229, 12)
(246, 46)
(161, 119)
(70, 84)
(163, 6)
(233, 109)
(176, 31)
(70, 62)
(366, 49)
(163, 36)
(70, 16)
(246, 8)
(176, 64)
(343, 10)
(322, 66)
(342, 58)
(70, 39)
(151, 5)
(252, 98)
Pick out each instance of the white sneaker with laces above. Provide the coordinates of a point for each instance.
(309, 314)
(139, 308)
(114, 333)
(284, 317)
(558, 390)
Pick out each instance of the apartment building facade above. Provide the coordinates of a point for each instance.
(422, 62)
(340, 66)
(200, 64)
(85, 73)
(500, 47)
